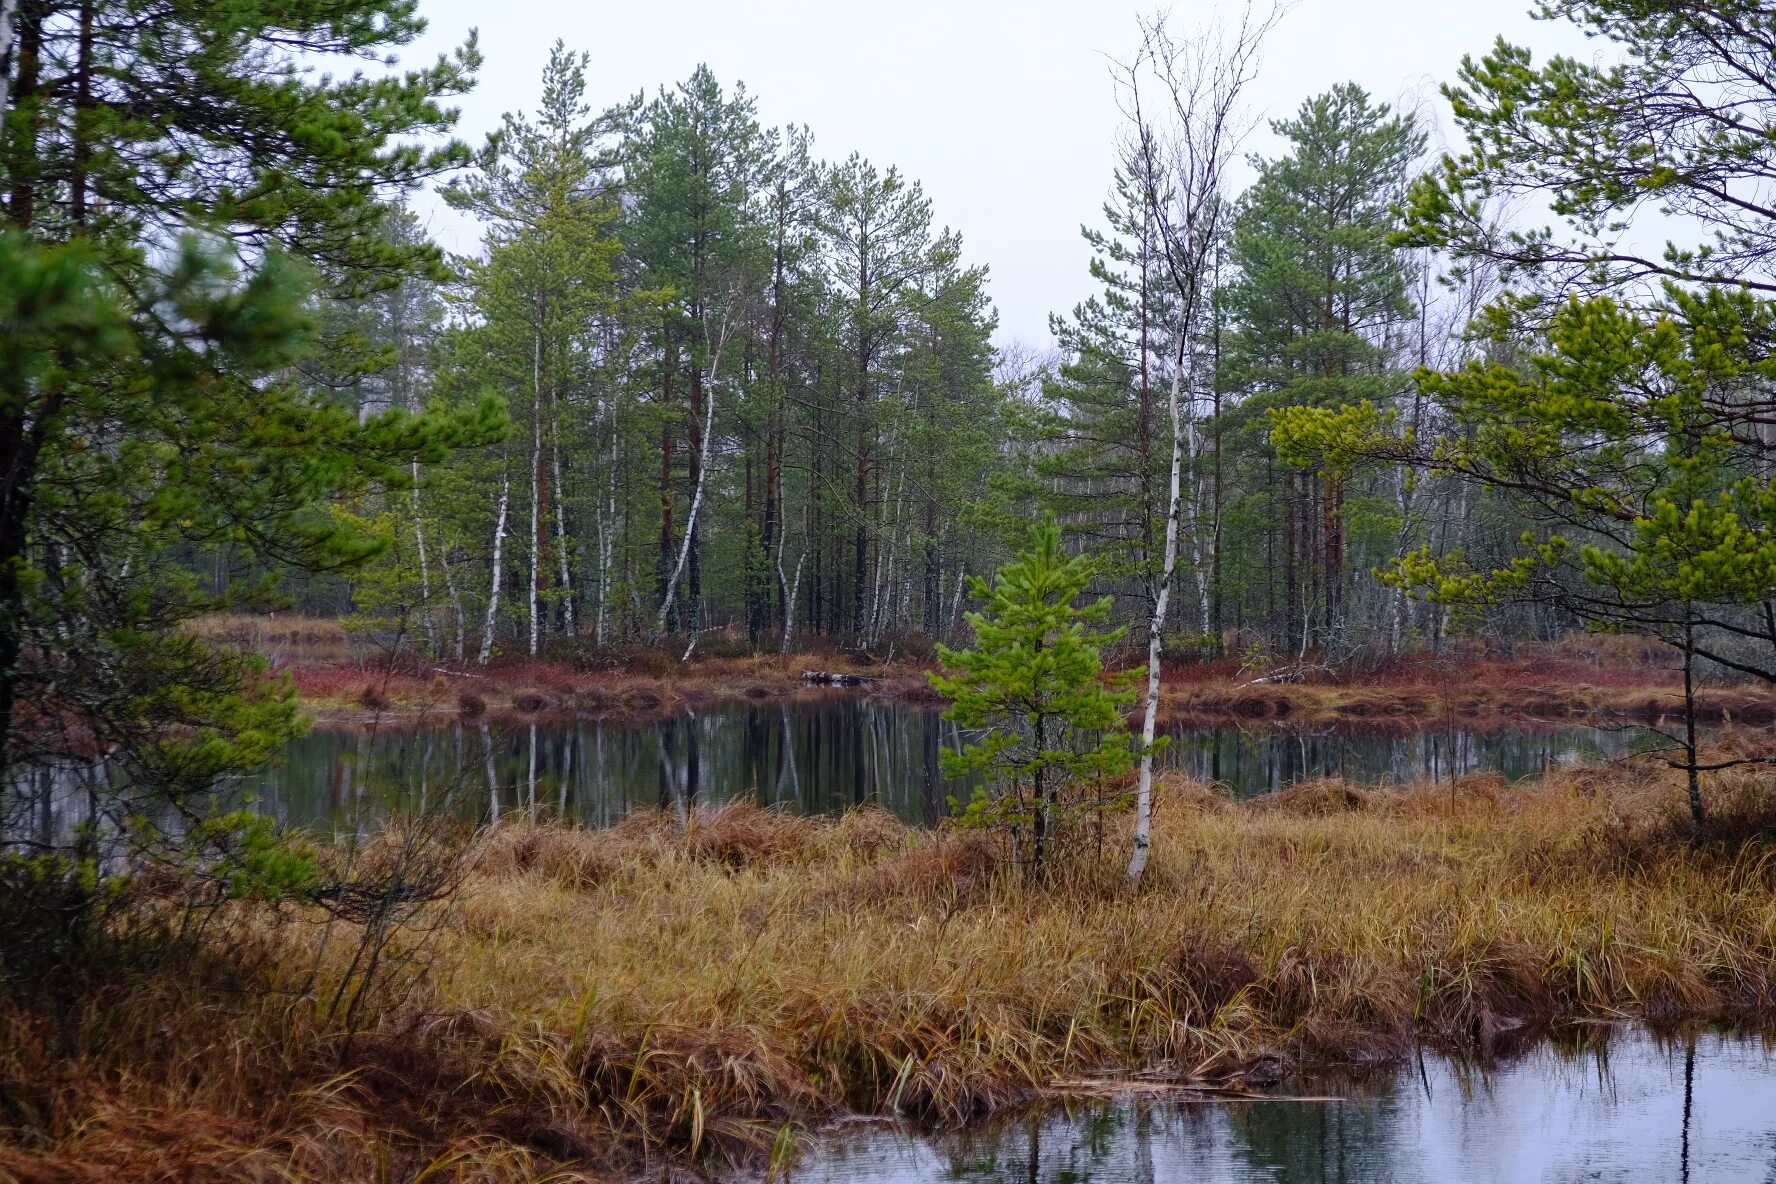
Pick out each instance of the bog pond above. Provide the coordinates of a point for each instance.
(1632, 1108)
(819, 756)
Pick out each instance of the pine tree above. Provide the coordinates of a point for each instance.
(1035, 679)
(878, 231)
(1675, 117)
(698, 162)
(789, 194)
(1103, 469)
(1318, 306)
(151, 406)
(952, 431)
(130, 123)
(544, 193)
(1628, 423)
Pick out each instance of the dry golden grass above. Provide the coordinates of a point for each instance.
(668, 995)
(286, 640)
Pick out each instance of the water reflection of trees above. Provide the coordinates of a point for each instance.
(820, 757)
(595, 771)
(1587, 1105)
(1257, 760)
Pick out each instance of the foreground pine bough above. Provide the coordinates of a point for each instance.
(670, 993)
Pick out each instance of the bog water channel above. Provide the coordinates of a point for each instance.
(819, 756)
(1630, 1108)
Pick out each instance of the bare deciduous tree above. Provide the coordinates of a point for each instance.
(1182, 101)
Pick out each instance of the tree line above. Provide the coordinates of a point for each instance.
(746, 388)
(755, 391)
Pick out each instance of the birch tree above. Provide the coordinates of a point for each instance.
(697, 161)
(493, 589)
(1182, 101)
(720, 331)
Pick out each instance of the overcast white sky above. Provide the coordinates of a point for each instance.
(1003, 110)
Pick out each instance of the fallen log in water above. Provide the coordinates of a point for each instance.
(826, 678)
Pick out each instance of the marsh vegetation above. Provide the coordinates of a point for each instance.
(1341, 437)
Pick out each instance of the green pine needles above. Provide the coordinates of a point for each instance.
(1056, 743)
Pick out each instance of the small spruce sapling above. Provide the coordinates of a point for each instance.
(1055, 731)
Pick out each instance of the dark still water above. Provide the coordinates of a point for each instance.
(1641, 1110)
(813, 757)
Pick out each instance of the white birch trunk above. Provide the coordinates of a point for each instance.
(684, 549)
(789, 599)
(1155, 631)
(785, 593)
(956, 604)
(7, 8)
(493, 802)
(530, 787)
(493, 594)
(1200, 80)
(456, 602)
(1201, 555)
(425, 571)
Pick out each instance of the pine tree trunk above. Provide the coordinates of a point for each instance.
(607, 524)
(607, 518)
(568, 625)
(1331, 511)
(536, 495)
(772, 527)
(1291, 585)
(1039, 815)
(27, 72)
(860, 540)
(83, 72)
(1697, 815)
(19, 448)
(698, 458)
(663, 565)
